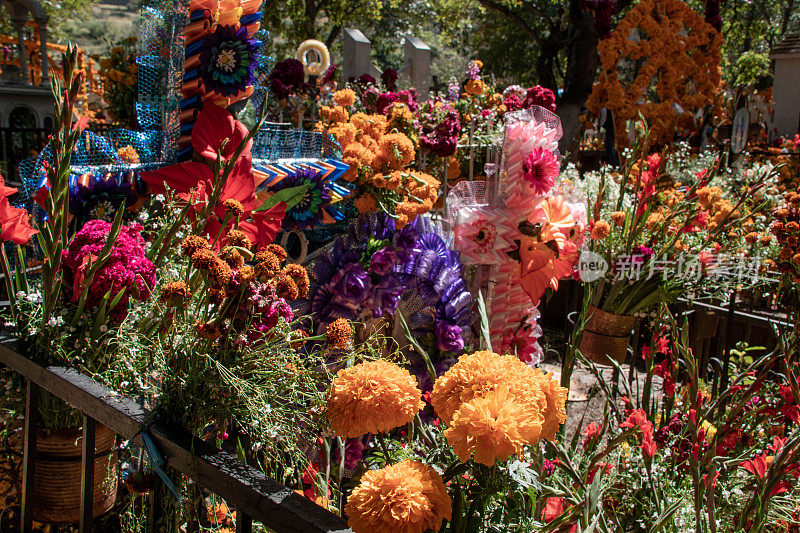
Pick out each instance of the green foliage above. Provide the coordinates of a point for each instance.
(752, 68)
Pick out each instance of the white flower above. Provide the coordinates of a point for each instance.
(20, 295)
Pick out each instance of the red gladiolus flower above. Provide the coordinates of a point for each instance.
(14, 224)
(214, 126)
(780, 487)
(757, 465)
(591, 433)
(553, 509)
(606, 468)
(638, 419)
(6, 191)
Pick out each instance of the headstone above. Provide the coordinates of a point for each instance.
(418, 58)
(355, 54)
(740, 130)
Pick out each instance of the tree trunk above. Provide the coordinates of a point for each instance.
(582, 64)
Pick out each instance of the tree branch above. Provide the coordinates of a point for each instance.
(513, 16)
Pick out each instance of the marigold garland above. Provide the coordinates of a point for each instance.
(679, 48)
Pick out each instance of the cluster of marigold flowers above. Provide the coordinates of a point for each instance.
(786, 229)
(230, 272)
(494, 405)
(380, 155)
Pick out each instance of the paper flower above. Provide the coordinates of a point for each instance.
(228, 60)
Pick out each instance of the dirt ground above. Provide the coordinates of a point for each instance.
(586, 398)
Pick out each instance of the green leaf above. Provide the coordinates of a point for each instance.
(292, 196)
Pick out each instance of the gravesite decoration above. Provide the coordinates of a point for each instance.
(662, 61)
(422, 358)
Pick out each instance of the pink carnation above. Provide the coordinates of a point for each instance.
(541, 169)
(127, 268)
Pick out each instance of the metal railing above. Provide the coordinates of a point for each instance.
(244, 488)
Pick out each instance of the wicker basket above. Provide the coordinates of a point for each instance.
(606, 336)
(57, 482)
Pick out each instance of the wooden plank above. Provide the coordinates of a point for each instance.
(29, 458)
(243, 487)
(244, 522)
(87, 475)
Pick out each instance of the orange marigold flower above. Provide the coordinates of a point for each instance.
(396, 149)
(234, 208)
(475, 87)
(601, 230)
(765, 240)
(239, 238)
(220, 274)
(247, 274)
(706, 196)
(175, 294)
(792, 227)
(477, 374)
(297, 338)
(193, 243)
(751, 237)
(345, 97)
(365, 203)
(336, 114)
(782, 214)
(217, 296)
(408, 497)
(372, 397)
(203, 259)
(278, 250)
(618, 218)
(286, 288)
(494, 427)
(339, 333)
(231, 255)
(267, 265)
(299, 274)
(555, 413)
(777, 229)
(654, 220)
(785, 254)
(128, 155)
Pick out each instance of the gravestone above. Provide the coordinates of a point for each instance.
(785, 93)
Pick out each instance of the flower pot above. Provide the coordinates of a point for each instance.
(57, 481)
(606, 336)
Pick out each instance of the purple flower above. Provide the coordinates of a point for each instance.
(351, 283)
(405, 242)
(448, 336)
(387, 297)
(382, 261)
(641, 254)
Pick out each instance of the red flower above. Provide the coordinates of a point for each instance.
(591, 432)
(80, 124)
(194, 182)
(606, 469)
(780, 487)
(757, 465)
(214, 126)
(638, 419)
(6, 191)
(553, 509)
(14, 223)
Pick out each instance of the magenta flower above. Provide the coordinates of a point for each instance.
(541, 169)
(127, 268)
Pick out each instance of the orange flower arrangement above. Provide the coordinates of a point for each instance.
(372, 397)
(408, 497)
(379, 154)
(671, 55)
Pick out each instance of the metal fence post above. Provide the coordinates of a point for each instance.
(29, 458)
(87, 475)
